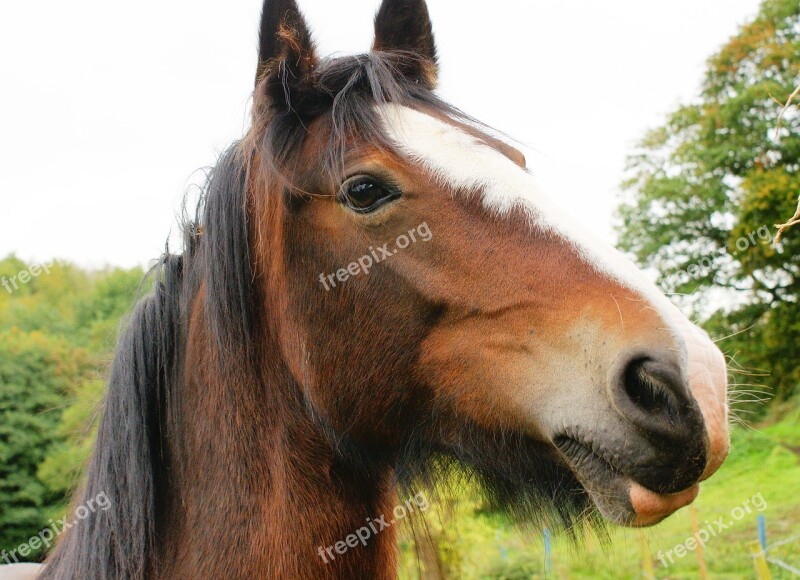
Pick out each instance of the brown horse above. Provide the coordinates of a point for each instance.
(375, 290)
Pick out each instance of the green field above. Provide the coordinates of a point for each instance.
(763, 470)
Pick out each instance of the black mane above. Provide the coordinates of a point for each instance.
(140, 412)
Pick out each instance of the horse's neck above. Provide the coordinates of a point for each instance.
(262, 494)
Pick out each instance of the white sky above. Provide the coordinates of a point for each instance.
(108, 108)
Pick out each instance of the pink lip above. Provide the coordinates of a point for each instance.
(652, 507)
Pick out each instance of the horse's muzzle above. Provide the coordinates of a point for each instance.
(670, 434)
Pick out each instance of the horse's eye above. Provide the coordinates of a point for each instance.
(364, 194)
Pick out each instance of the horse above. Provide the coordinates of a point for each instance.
(374, 292)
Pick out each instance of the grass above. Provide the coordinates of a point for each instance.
(762, 471)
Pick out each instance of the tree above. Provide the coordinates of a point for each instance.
(705, 190)
(57, 331)
(35, 373)
(113, 296)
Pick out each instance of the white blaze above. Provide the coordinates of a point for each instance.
(465, 163)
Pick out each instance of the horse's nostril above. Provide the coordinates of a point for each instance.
(654, 395)
(650, 391)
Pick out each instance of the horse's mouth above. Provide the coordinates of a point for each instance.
(618, 497)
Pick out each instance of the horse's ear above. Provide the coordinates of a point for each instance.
(286, 53)
(405, 26)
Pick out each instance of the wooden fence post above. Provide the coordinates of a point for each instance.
(648, 572)
(759, 560)
(701, 561)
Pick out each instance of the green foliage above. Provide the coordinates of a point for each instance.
(112, 297)
(62, 467)
(57, 330)
(35, 375)
(706, 189)
(46, 302)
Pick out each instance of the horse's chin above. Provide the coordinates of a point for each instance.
(619, 498)
(624, 502)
